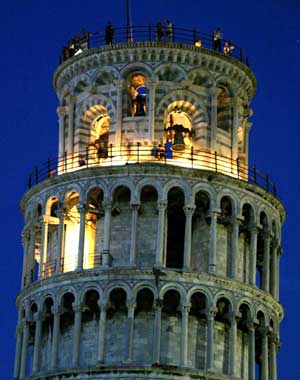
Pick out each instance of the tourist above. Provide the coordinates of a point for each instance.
(169, 31)
(217, 37)
(109, 34)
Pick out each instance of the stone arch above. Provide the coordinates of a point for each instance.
(147, 182)
(70, 188)
(235, 202)
(209, 190)
(199, 289)
(176, 183)
(185, 100)
(266, 211)
(225, 82)
(196, 75)
(64, 94)
(48, 294)
(248, 303)
(144, 285)
(91, 286)
(80, 84)
(131, 68)
(227, 295)
(170, 72)
(112, 71)
(123, 183)
(99, 184)
(118, 285)
(174, 286)
(92, 107)
(246, 200)
(261, 309)
(64, 290)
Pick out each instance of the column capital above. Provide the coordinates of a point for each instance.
(162, 205)
(19, 328)
(267, 234)
(135, 205)
(77, 307)
(185, 308)
(60, 212)
(214, 91)
(274, 339)
(107, 205)
(131, 305)
(189, 209)
(253, 228)
(62, 111)
(158, 304)
(38, 316)
(103, 304)
(211, 313)
(56, 310)
(82, 208)
(234, 316)
(152, 82)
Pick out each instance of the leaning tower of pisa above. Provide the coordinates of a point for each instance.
(151, 245)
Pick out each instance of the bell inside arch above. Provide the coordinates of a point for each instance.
(178, 142)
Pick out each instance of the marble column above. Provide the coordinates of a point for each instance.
(266, 263)
(25, 242)
(19, 337)
(213, 243)
(251, 350)
(159, 259)
(76, 335)
(106, 258)
(157, 332)
(62, 112)
(44, 242)
(31, 256)
(60, 239)
(134, 218)
(274, 271)
(210, 339)
(71, 111)
(184, 335)
(80, 256)
(55, 336)
(235, 126)
(232, 344)
(264, 354)
(253, 254)
(189, 211)
(279, 252)
(24, 353)
(151, 83)
(119, 111)
(130, 330)
(102, 330)
(234, 248)
(37, 342)
(213, 118)
(274, 344)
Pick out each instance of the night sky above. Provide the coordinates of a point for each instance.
(32, 34)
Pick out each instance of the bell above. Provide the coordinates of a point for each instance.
(178, 143)
(140, 106)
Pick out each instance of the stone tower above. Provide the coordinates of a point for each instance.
(151, 247)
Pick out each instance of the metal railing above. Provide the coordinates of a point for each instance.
(150, 155)
(149, 32)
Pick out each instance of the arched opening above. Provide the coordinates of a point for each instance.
(245, 237)
(170, 328)
(120, 238)
(66, 330)
(116, 321)
(147, 221)
(100, 136)
(178, 131)
(222, 334)
(90, 328)
(143, 326)
(224, 109)
(47, 332)
(36, 236)
(200, 233)
(224, 236)
(175, 228)
(262, 234)
(94, 229)
(137, 91)
(197, 331)
(243, 353)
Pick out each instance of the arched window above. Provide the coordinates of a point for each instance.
(178, 130)
(100, 130)
(137, 90)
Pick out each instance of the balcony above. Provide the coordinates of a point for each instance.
(138, 154)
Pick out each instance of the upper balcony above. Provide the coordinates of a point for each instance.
(146, 33)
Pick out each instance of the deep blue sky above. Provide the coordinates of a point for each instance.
(32, 34)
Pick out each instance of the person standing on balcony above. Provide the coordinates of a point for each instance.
(159, 31)
(228, 48)
(109, 34)
(169, 31)
(217, 38)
